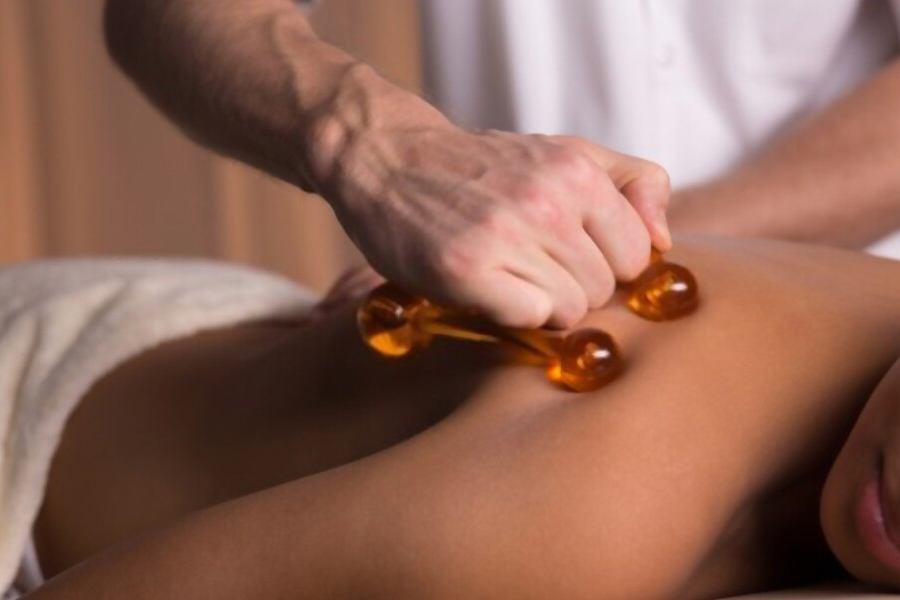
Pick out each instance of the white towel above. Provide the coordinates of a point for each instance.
(64, 324)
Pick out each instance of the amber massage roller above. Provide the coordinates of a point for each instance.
(394, 322)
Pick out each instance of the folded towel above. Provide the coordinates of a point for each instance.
(65, 324)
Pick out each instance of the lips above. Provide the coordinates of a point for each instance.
(874, 524)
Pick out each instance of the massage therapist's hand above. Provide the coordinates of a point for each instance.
(529, 230)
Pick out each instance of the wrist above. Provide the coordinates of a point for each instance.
(349, 140)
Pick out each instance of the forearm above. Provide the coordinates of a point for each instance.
(251, 79)
(834, 180)
(528, 230)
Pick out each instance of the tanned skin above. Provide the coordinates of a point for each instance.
(293, 462)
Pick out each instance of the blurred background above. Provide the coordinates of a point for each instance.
(89, 167)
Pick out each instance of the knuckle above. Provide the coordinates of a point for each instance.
(583, 170)
(458, 259)
(656, 175)
(653, 183)
(537, 203)
(572, 163)
(499, 226)
(543, 208)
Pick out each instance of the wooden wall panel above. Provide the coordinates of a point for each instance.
(20, 193)
(88, 167)
(118, 178)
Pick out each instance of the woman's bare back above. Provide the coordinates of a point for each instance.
(462, 476)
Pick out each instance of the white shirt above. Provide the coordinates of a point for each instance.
(695, 85)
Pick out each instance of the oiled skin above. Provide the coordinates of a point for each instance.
(453, 475)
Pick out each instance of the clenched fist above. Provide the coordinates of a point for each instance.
(529, 230)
